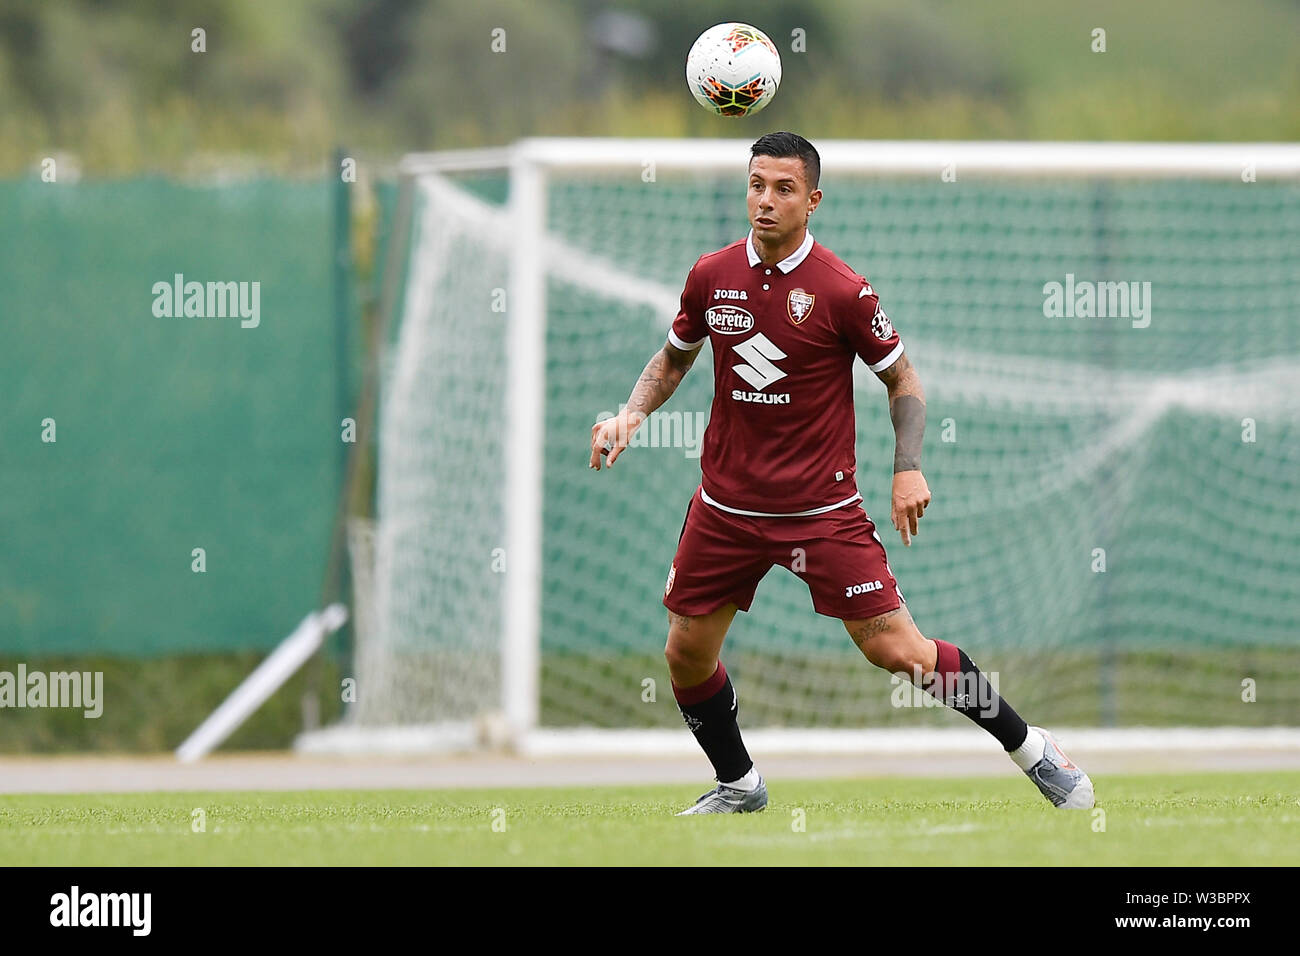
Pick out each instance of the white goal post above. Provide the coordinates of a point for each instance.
(463, 621)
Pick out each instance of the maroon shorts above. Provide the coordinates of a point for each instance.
(721, 557)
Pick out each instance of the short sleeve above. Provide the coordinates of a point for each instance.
(869, 331)
(689, 329)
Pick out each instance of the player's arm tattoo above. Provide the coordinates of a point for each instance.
(660, 378)
(906, 411)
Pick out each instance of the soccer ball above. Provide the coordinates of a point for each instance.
(733, 69)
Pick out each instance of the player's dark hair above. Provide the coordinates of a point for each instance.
(790, 145)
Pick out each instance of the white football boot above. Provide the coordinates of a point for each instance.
(1060, 781)
(724, 799)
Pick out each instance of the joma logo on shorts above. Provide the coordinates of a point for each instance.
(865, 588)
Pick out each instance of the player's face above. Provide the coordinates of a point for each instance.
(778, 198)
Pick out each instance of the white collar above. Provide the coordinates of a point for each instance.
(790, 261)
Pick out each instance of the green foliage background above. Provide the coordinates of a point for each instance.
(115, 81)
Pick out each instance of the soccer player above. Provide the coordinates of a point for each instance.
(785, 318)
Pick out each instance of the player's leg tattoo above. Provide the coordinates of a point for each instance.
(863, 631)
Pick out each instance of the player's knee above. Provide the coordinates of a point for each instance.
(890, 658)
(687, 662)
(681, 656)
(897, 657)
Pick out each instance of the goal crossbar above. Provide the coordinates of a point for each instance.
(892, 157)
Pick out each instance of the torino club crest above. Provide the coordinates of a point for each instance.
(799, 304)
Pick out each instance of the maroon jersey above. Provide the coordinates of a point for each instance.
(781, 435)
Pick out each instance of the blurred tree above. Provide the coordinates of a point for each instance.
(459, 87)
(116, 82)
(377, 42)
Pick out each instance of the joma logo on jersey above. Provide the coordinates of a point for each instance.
(729, 320)
(731, 294)
(865, 587)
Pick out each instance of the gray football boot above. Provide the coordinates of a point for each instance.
(724, 799)
(1060, 781)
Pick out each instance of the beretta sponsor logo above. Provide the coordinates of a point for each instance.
(729, 320)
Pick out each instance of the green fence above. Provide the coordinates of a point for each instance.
(170, 433)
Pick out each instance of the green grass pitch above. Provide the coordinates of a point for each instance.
(1246, 819)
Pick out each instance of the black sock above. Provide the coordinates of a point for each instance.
(959, 684)
(710, 710)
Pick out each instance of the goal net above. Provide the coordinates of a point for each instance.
(1109, 343)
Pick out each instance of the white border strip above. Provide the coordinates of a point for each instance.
(682, 344)
(914, 157)
(659, 743)
(889, 359)
(353, 741)
(580, 742)
(928, 157)
(456, 160)
(777, 514)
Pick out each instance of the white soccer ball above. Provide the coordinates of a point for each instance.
(733, 69)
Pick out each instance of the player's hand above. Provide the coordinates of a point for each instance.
(911, 496)
(611, 435)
